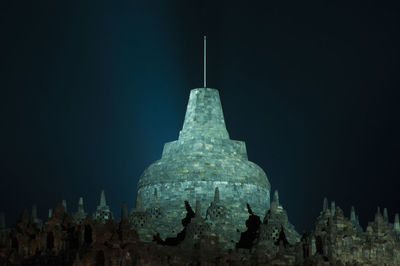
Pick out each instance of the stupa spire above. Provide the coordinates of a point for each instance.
(138, 202)
(353, 215)
(396, 225)
(80, 206)
(276, 197)
(102, 199)
(64, 204)
(385, 215)
(325, 204)
(216, 195)
(197, 212)
(333, 207)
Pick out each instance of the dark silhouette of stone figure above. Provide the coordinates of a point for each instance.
(174, 241)
(247, 237)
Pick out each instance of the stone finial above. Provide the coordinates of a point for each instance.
(50, 212)
(64, 204)
(197, 212)
(273, 206)
(325, 204)
(378, 215)
(80, 205)
(216, 195)
(103, 199)
(2, 220)
(333, 208)
(385, 215)
(138, 202)
(396, 225)
(34, 212)
(353, 215)
(155, 195)
(124, 212)
(276, 197)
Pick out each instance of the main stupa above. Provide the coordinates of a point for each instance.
(202, 159)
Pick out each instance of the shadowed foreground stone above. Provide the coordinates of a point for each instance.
(64, 241)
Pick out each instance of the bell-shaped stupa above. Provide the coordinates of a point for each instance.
(203, 158)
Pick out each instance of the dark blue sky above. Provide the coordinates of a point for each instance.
(91, 92)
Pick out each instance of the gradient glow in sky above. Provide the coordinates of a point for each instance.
(92, 91)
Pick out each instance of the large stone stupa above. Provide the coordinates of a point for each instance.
(202, 159)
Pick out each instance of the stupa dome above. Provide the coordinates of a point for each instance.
(203, 158)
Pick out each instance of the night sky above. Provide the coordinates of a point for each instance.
(90, 93)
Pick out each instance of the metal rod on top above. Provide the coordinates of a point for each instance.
(205, 51)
